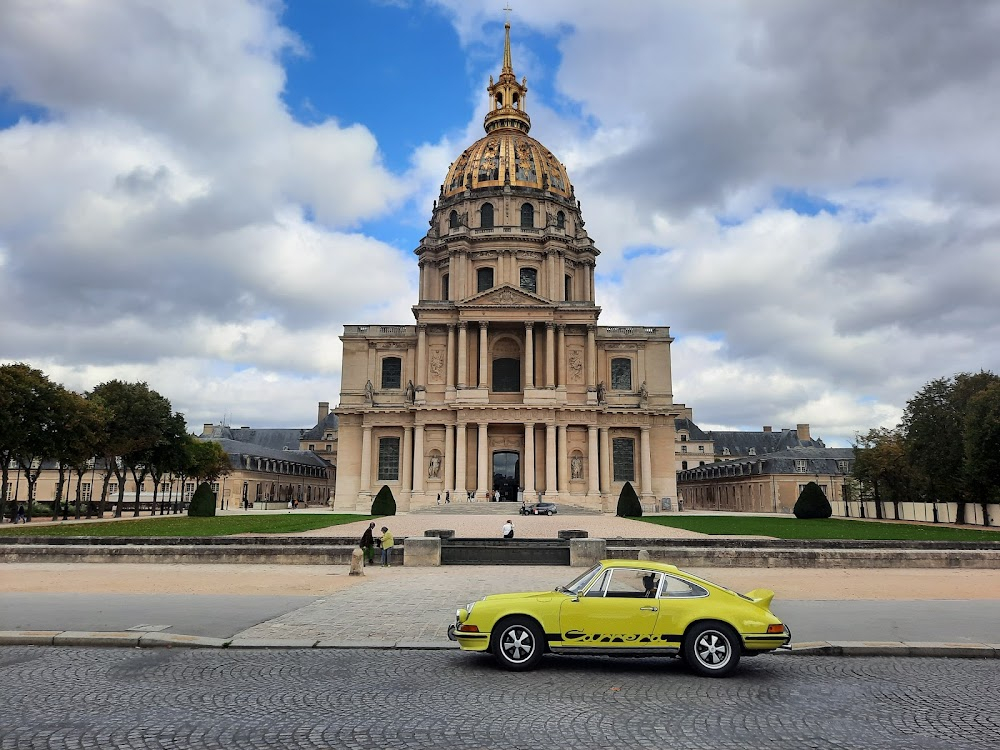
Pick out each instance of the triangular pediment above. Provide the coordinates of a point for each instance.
(504, 295)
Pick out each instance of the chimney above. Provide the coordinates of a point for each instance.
(324, 410)
(207, 428)
(802, 430)
(767, 428)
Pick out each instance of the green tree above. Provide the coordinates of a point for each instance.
(79, 423)
(882, 467)
(812, 503)
(162, 457)
(37, 414)
(628, 503)
(982, 447)
(385, 503)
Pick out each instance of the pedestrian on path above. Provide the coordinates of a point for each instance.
(386, 546)
(508, 530)
(367, 543)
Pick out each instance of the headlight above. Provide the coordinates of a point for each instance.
(470, 606)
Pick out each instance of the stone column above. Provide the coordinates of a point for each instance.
(407, 478)
(449, 457)
(529, 356)
(460, 444)
(605, 461)
(563, 458)
(591, 357)
(647, 467)
(593, 462)
(463, 354)
(420, 378)
(483, 382)
(419, 468)
(450, 358)
(562, 355)
(483, 484)
(550, 458)
(529, 461)
(550, 356)
(366, 459)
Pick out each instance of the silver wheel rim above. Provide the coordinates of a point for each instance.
(517, 644)
(712, 649)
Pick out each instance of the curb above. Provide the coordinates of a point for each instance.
(73, 638)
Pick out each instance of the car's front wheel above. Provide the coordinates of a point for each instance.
(518, 643)
(712, 649)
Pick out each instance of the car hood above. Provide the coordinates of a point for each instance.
(533, 595)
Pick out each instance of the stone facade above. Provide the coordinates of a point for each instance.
(506, 382)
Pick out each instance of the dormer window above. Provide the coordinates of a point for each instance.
(752, 452)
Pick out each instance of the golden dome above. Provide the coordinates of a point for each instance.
(507, 157)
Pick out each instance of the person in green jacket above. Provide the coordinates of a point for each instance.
(386, 546)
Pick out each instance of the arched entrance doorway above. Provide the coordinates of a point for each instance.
(507, 474)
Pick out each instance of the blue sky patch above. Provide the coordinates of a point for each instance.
(803, 203)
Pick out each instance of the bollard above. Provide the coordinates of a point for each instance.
(357, 562)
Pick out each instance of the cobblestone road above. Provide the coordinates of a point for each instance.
(92, 698)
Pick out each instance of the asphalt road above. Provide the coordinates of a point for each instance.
(163, 698)
(974, 621)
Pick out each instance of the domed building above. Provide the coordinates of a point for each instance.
(505, 384)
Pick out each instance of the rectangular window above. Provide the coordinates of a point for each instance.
(701, 448)
(684, 438)
(569, 289)
(842, 467)
(392, 373)
(621, 374)
(312, 446)
(484, 279)
(684, 449)
(388, 459)
(444, 287)
(623, 459)
(329, 448)
(113, 489)
(801, 466)
(684, 464)
(215, 489)
(529, 279)
(188, 490)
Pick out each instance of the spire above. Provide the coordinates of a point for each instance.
(507, 96)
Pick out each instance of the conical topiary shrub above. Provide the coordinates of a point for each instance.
(812, 503)
(628, 502)
(203, 502)
(385, 503)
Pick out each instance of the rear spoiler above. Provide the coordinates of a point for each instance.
(761, 597)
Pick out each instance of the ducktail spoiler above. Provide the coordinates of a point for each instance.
(761, 597)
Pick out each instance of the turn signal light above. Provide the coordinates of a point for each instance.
(776, 629)
(468, 628)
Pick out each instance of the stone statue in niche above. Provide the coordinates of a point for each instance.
(601, 392)
(434, 467)
(411, 392)
(576, 467)
(643, 393)
(370, 392)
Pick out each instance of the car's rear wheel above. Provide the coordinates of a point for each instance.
(518, 643)
(712, 649)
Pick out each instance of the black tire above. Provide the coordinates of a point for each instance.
(712, 649)
(548, 513)
(518, 643)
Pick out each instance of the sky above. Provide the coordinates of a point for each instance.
(201, 195)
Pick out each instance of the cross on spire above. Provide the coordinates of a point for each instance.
(507, 10)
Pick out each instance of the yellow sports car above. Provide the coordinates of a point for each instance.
(626, 608)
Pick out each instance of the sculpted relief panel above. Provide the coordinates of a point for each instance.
(437, 365)
(575, 362)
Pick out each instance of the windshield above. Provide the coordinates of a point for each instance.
(580, 583)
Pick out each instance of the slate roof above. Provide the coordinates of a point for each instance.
(693, 430)
(821, 460)
(276, 439)
(331, 422)
(235, 449)
(740, 443)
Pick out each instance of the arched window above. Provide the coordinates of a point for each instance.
(529, 279)
(444, 287)
(517, 101)
(621, 374)
(527, 216)
(392, 373)
(453, 220)
(484, 279)
(486, 216)
(506, 375)
(560, 220)
(499, 101)
(569, 288)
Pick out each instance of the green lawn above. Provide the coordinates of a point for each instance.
(185, 526)
(825, 528)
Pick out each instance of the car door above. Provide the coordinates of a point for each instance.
(615, 612)
(680, 602)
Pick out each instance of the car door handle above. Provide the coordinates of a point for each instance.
(648, 609)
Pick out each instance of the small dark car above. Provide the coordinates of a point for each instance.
(542, 509)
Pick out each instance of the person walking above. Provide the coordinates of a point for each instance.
(508, 530)
(386, 546)
(367, 543)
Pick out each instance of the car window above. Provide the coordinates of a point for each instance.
(580, 583)
(679, 588)
(626, 583)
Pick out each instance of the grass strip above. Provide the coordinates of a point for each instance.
(184, 526)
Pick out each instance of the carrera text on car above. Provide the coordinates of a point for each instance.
(625, 608)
